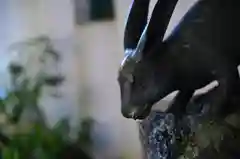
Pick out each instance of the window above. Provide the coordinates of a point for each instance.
(101, 10)
(93, 10)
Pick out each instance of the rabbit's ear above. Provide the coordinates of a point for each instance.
(159, 21)
(136, 22)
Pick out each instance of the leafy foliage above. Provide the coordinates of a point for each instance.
(33, 139)
(24, 133)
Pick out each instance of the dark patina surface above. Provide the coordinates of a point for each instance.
(202, 48)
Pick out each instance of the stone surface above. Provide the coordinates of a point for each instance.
(195, 137)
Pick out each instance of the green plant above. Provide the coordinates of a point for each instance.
(24, 132)
(33, 139)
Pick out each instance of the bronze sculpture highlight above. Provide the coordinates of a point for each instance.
(202, 48)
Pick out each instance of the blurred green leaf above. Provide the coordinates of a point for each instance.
(33, 138)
